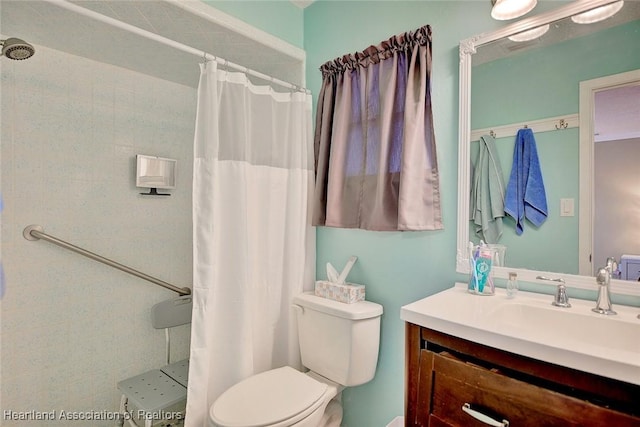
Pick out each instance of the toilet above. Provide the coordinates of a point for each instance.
(339, 345)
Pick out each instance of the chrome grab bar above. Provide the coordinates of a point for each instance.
(36, 232)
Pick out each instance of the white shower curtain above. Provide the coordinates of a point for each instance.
(254, 247)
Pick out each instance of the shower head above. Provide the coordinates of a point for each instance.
(14, 48)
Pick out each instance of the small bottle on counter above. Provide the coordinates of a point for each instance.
(512, 285)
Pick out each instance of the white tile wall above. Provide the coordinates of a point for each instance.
(71, 327)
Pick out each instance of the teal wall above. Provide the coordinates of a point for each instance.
(281, 18)
(396, 267)
(553, 73)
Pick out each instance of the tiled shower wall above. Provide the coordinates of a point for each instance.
(71, 328)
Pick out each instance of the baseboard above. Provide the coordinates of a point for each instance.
(396, 422)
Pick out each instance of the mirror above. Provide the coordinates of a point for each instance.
(506, 85)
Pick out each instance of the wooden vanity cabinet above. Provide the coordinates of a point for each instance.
(444, 372)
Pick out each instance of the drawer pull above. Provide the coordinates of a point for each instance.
(484, 418)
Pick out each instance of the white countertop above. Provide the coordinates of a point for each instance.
(529, 325)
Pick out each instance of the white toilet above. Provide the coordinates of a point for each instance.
(339, 344)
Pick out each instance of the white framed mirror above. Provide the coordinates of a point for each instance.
(558, 247)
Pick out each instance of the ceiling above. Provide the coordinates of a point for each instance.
(46, 24)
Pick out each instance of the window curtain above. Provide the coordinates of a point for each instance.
(375, 151)
(254, 246)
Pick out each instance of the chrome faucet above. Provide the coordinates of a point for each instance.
(603, 279)
(561, 298)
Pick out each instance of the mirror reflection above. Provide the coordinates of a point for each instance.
(616, 190)
(536, 84)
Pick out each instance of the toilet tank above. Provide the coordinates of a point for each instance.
(339, 341)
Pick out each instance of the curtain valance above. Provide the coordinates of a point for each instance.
(374, 54)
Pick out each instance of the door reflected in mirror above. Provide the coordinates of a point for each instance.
(616, 172)
(616, 225)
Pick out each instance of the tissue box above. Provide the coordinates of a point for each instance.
(347, 293)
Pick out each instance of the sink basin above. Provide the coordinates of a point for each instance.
(569, 326)
(529, 325)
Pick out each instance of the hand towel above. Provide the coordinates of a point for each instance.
(526, 196)
(487, 192)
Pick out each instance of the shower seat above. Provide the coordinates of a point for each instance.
(159, 396)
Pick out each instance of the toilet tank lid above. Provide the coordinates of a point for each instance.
(355, 311)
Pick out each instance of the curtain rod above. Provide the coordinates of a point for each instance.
(172, 43)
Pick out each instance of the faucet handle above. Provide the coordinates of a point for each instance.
(561, 298)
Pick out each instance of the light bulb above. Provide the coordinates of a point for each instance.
(598, 14)
(509, 9)
(534, 33)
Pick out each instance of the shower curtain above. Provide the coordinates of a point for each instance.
(254, 247)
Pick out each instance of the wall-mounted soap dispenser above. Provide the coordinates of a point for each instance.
(155, 173)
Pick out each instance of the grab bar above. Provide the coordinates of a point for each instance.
(36, 232)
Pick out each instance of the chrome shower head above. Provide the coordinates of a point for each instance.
(14, 48)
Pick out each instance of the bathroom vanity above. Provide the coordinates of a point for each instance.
(474, 361)
(487, 360)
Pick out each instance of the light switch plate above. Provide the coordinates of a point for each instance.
(567, 207)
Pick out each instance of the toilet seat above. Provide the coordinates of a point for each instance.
(279, 397)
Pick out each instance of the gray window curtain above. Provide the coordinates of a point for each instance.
(375, 151)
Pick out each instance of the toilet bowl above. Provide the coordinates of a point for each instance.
(283, 397)
(339, 344)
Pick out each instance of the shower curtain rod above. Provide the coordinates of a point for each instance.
(172, 43)
(36, 232)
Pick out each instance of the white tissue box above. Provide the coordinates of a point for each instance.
(347, 293)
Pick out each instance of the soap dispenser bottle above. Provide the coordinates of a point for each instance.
(512, 285)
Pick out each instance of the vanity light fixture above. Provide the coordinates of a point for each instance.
(598, 14)
(510, 9)
(531, 34)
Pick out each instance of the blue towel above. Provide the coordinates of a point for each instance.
(526, 197)
(487, 192)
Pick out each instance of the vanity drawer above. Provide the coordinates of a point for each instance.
(454, 383)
